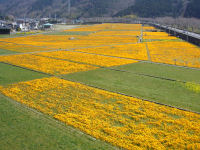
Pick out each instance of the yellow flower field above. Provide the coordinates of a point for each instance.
(46, 65)
(112, 40)
(44, 42)
(146, 28)
(109, 26)
(118, 33)
(122, 26)
(21, 48)
(126, 122)
(88, 58)
(176, 53)
(64, 42)
(134, 51)
(158, 36)
(155, 34)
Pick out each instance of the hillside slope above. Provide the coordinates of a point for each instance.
(160, 8)
(41, 8)
(101, 8)
(193, 9)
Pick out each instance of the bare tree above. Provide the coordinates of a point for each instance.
(190, 24)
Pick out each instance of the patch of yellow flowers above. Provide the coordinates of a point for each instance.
(46, 65)
(158, 36)
(134, 51)
(193, 87)
(109, 27)
(21, 48)
(126, 122)
(118, 33)
(149, 28)
(176, 53)
(65, 42)
(98, 60)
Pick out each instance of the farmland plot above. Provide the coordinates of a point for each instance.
(88, 58)
(46, 65)
(112, 57)
(123, 121)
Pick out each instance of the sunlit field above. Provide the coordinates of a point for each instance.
(128, 86)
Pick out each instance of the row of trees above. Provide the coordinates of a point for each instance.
(189, 24)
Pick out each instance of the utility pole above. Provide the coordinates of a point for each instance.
(141, 36)
(187, 34)
(69, 7)
(24, 19)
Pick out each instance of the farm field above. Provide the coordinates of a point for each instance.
(98, 60)
(3, 52)
(152, 86)
(163, 71)
(22, 128)
(46, 65)
(132, 51)
(11, 74)
(121, 120)
(121, 86)
(21, 47)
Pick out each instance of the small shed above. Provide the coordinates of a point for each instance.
(5, 30)
(47, 26)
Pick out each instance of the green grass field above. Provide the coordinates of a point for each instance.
(24, 129)
(3, 52)
(165, 71)
(158, 90)
(10, 35)
(11, 74)
(69, 33)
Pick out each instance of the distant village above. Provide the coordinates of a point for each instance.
(26, 24)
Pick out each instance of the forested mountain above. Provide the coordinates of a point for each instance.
(41, 8)
(99, 8)
(193, 9)
(154, 8)
(160, 8)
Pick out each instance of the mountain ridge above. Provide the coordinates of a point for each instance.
(100, 8)
(162, 8)
(79, 8)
